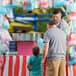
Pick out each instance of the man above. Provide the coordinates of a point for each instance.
(54, 50)
(61, 23)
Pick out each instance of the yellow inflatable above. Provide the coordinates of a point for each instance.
(26, 26)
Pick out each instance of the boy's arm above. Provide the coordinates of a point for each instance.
(29, 67)
(29, 64)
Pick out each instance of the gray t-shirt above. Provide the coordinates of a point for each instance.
(57, 43)
(62, 25)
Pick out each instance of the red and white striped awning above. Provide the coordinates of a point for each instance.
(13, 66)
(16, 66)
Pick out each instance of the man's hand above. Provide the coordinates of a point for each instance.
(45, 52)
(43, 60)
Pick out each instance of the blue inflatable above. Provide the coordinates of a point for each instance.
(72, 62)
(71, 7)
(40, 43)
(10, 6)
(72, 55)
(3, 10)
(6, 25)
(59, 3)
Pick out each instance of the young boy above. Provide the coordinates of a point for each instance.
(34, 63)
(40, 43)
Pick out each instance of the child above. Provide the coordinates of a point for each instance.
(34, 63)
(40, 43)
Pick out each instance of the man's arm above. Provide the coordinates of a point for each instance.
(45, 51)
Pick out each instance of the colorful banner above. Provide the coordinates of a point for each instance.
(25, 48)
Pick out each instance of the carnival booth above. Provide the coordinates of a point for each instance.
(20, 45)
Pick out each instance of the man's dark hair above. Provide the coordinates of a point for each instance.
(51, 22)
(56, 11)
(36, 51)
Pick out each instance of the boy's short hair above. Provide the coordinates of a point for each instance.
(51, 22)
(36, 51)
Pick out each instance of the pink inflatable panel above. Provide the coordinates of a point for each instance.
(25, 47)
